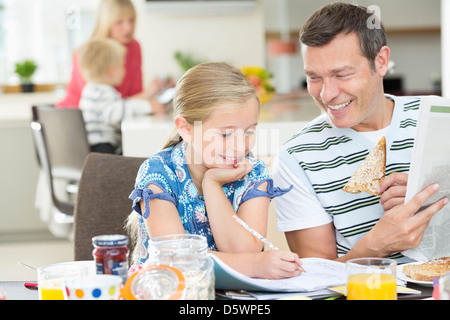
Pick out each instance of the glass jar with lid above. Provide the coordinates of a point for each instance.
(157, 282)
(189, 254)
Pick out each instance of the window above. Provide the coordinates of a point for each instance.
(45, 31)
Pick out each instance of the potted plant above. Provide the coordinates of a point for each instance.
(186, 61)
(25, 71)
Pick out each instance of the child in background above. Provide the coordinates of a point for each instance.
(203, 176)
(102, 65)
(116, 19)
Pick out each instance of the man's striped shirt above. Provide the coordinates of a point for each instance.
(319, 161)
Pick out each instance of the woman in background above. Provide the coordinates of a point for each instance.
(116, 19)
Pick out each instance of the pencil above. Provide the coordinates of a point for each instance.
(254, 232)
(257, 235)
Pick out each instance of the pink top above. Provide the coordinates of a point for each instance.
(131, 84)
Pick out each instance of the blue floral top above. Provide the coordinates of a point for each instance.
(168, 170)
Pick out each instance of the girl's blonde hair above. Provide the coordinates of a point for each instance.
(205, 87)
(109, 11)
(200, 91)
(97, 55)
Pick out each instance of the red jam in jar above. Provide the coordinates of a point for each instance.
(111, 255)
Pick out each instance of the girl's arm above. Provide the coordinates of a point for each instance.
(272, 264)
(228, 234)
(163, 219)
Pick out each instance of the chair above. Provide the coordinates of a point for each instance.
(66, 139)
(102, 204)
(61, 145)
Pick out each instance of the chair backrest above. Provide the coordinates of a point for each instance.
(66, 139)
(64, 207)
(102, 204)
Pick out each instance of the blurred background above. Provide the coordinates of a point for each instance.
(239, 32)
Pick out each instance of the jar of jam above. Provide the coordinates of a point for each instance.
(111, 255)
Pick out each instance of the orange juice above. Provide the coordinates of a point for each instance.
(369, 286)
(52, 290)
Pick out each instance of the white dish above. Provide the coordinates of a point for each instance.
(402, 276)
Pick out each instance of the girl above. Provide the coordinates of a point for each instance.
(204, 176)
(116, 19)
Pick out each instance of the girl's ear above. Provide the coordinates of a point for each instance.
(184, 129)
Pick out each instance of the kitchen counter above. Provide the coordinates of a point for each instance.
(16, 107)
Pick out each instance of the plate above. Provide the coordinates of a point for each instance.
(402, 276)
(400, 289)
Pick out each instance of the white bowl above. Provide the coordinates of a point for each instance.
(96, 287)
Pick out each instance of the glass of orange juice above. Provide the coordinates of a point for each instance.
(371, 279)
(52, 290)
(51, 278)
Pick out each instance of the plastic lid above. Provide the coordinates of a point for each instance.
(110, 240)
(156, 282)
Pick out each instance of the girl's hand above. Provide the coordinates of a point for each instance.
(277, 264)
(226, 175)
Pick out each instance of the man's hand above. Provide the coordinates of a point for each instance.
(402, 227)
(393, 190)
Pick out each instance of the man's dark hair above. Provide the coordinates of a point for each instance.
(344, 18)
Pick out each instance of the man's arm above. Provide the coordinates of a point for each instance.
(401, 228)
(313, 242)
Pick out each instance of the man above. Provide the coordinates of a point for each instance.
(345, 58)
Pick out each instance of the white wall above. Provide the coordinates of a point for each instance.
(395, 14)
(419, 65)
(237, 38)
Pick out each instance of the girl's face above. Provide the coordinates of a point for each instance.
(122, 29)
(227, 135)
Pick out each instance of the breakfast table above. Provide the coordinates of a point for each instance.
(25, 290)
(20, 290)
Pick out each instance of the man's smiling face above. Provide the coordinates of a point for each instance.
(344, 85)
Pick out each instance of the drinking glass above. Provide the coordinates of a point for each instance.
(371, 279)
(51, 278)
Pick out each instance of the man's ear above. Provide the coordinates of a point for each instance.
(184, 129)
(382, 60)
